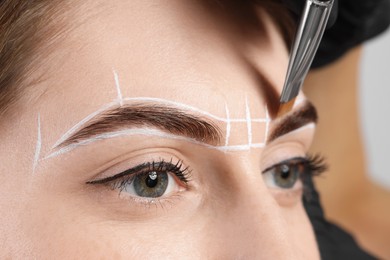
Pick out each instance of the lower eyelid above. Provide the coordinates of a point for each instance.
(288, 197)
(125, 202)
(116, 203)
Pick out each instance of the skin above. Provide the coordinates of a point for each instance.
(175, 50)
(349, 197)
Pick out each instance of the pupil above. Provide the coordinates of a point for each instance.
(285, 171)
(152, 180)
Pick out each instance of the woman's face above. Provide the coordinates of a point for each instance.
(152, 134)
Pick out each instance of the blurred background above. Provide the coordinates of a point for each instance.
(375, 107)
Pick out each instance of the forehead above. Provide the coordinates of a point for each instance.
(176, 50)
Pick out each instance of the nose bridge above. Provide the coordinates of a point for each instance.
(251, 226)
(245, 220)
(258, 227)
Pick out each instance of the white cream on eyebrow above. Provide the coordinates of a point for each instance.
(149, 132)
(38, 144)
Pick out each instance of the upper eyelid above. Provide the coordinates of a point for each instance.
(149, 166)
(299, 158)
(142, 166)
(130, 171)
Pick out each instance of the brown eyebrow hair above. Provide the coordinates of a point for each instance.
(176, 121)
(303, 116)
(168, 119)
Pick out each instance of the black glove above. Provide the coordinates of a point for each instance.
(351, 23)
(333, 242)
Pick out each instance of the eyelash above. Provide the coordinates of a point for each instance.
(125, 177)
(317, 164)
(314, 164)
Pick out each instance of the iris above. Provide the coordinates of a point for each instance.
(151, 184)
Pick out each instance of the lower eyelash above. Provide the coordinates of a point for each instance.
(147, 203)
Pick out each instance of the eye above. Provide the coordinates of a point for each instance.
(149, 180)
(286, 174)
(150, 184)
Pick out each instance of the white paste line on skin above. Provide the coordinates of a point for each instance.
(161, 134)
(258, 120)
(302, 128)
(148, 132)
(228, 126)
(118, 87)
(38, 145)
(77, 126)
(248, 121)
(267, 123)
(298, 102)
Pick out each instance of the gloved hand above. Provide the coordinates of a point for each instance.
(351, 23)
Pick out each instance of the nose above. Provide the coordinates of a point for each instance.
(253, 225)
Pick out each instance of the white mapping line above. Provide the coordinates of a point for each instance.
(232, 148)
(267, 123)
(299, 101)
(148, 99)
(259, 120)
(228, 126)
(118, 87)
(82, 122)
(38, 145)
(148, 132)
(190, 108)
(248, 121)
(302, 128)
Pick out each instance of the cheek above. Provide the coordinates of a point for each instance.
(288, 198)
(65, 232)
(301, 231)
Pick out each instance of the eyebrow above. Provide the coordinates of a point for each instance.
(305, 115)
(176, 121)
(167, 119)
